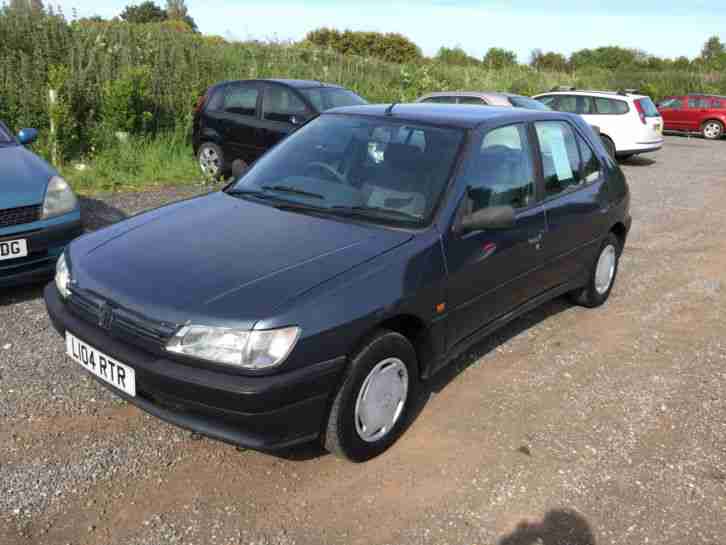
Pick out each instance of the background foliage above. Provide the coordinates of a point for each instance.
(143, 79)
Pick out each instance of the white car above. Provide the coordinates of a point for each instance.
(629, 123)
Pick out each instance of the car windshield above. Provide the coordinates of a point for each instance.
(373, 168)
(5, 137)
(325, 98)
(529, 103)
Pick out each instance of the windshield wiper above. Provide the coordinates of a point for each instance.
(293, 190)
(280, 203)
(369, 211)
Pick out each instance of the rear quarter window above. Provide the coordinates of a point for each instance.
(611, 106)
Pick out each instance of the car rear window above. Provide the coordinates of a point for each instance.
(718, 103)
(529, 103)
(609, 106)
(325, 98)
(649, 109)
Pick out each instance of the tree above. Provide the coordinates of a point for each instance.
(455, 56)
(34, 5)
(176, 10)
(497, 58)
(389, 47)
(712, 49)
(552, 61)
(146, 12)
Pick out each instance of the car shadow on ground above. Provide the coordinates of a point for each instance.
(558, 527)
(22, 294)
(448, 374)
(637, 161)
(97, 214)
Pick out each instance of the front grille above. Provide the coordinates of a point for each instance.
(19, 216)
(121, 323)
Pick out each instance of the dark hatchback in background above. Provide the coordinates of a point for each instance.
(39, 214)
(240, 120)
(310, 298)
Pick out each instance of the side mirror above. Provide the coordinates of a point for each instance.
(27, 136)
(239, 167)
(494, 217)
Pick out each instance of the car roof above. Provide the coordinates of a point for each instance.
(477, 94)
(297, 83)
(605, 94)
(450, 115)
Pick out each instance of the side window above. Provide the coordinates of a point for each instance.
(611, 106)
(674, 104)
(241, 99)
(281, 104)
(568, 103)
(591, 168)
(440, 100)
(718, 104)
(549, 101)
(585, 106)
(472, 100)
(501, 173)
(560, 157)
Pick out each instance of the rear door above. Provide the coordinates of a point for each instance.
(283, 109)
(574, 197)
(695, 113)
(492, 272)
(239, 121)
(673, 113)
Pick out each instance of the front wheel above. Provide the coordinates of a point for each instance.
(371, 408)
(602, 275)
(712, 130)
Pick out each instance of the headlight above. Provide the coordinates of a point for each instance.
(244, 349)
(59, 198)
(63, 276)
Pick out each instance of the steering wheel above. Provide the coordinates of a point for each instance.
(328, 170)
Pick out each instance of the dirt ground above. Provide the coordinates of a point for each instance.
(571, 426)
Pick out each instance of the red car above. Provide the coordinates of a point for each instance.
(695, 113)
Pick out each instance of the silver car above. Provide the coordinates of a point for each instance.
(507, 100)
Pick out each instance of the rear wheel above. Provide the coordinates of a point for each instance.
(602, 275)
(371, 408)
(609, 145)
(712, 129)
(211, 160)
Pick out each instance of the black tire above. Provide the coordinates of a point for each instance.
(589, 295)
(609, 145)
(712, 129)
(626, 156)
(341, 436)
(210, 158)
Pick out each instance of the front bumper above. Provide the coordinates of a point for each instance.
(46, 241)
(262, 413)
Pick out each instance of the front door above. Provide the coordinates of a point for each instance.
(694, 114)
(492, 272)
(282, 111)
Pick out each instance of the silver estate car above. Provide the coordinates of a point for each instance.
(507, 100)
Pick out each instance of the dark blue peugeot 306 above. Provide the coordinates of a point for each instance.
(39, 214)
(314, 297)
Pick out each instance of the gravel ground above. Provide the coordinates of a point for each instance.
(570, 426)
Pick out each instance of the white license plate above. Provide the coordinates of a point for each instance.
(12, 249)
(117, 374)
(659, 129)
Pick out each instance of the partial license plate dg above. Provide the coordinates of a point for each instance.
(12, 249)
(115, 373)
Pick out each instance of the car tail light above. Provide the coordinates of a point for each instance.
(641, 111)
(201, 101)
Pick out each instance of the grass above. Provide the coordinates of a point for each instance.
(139, 163)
